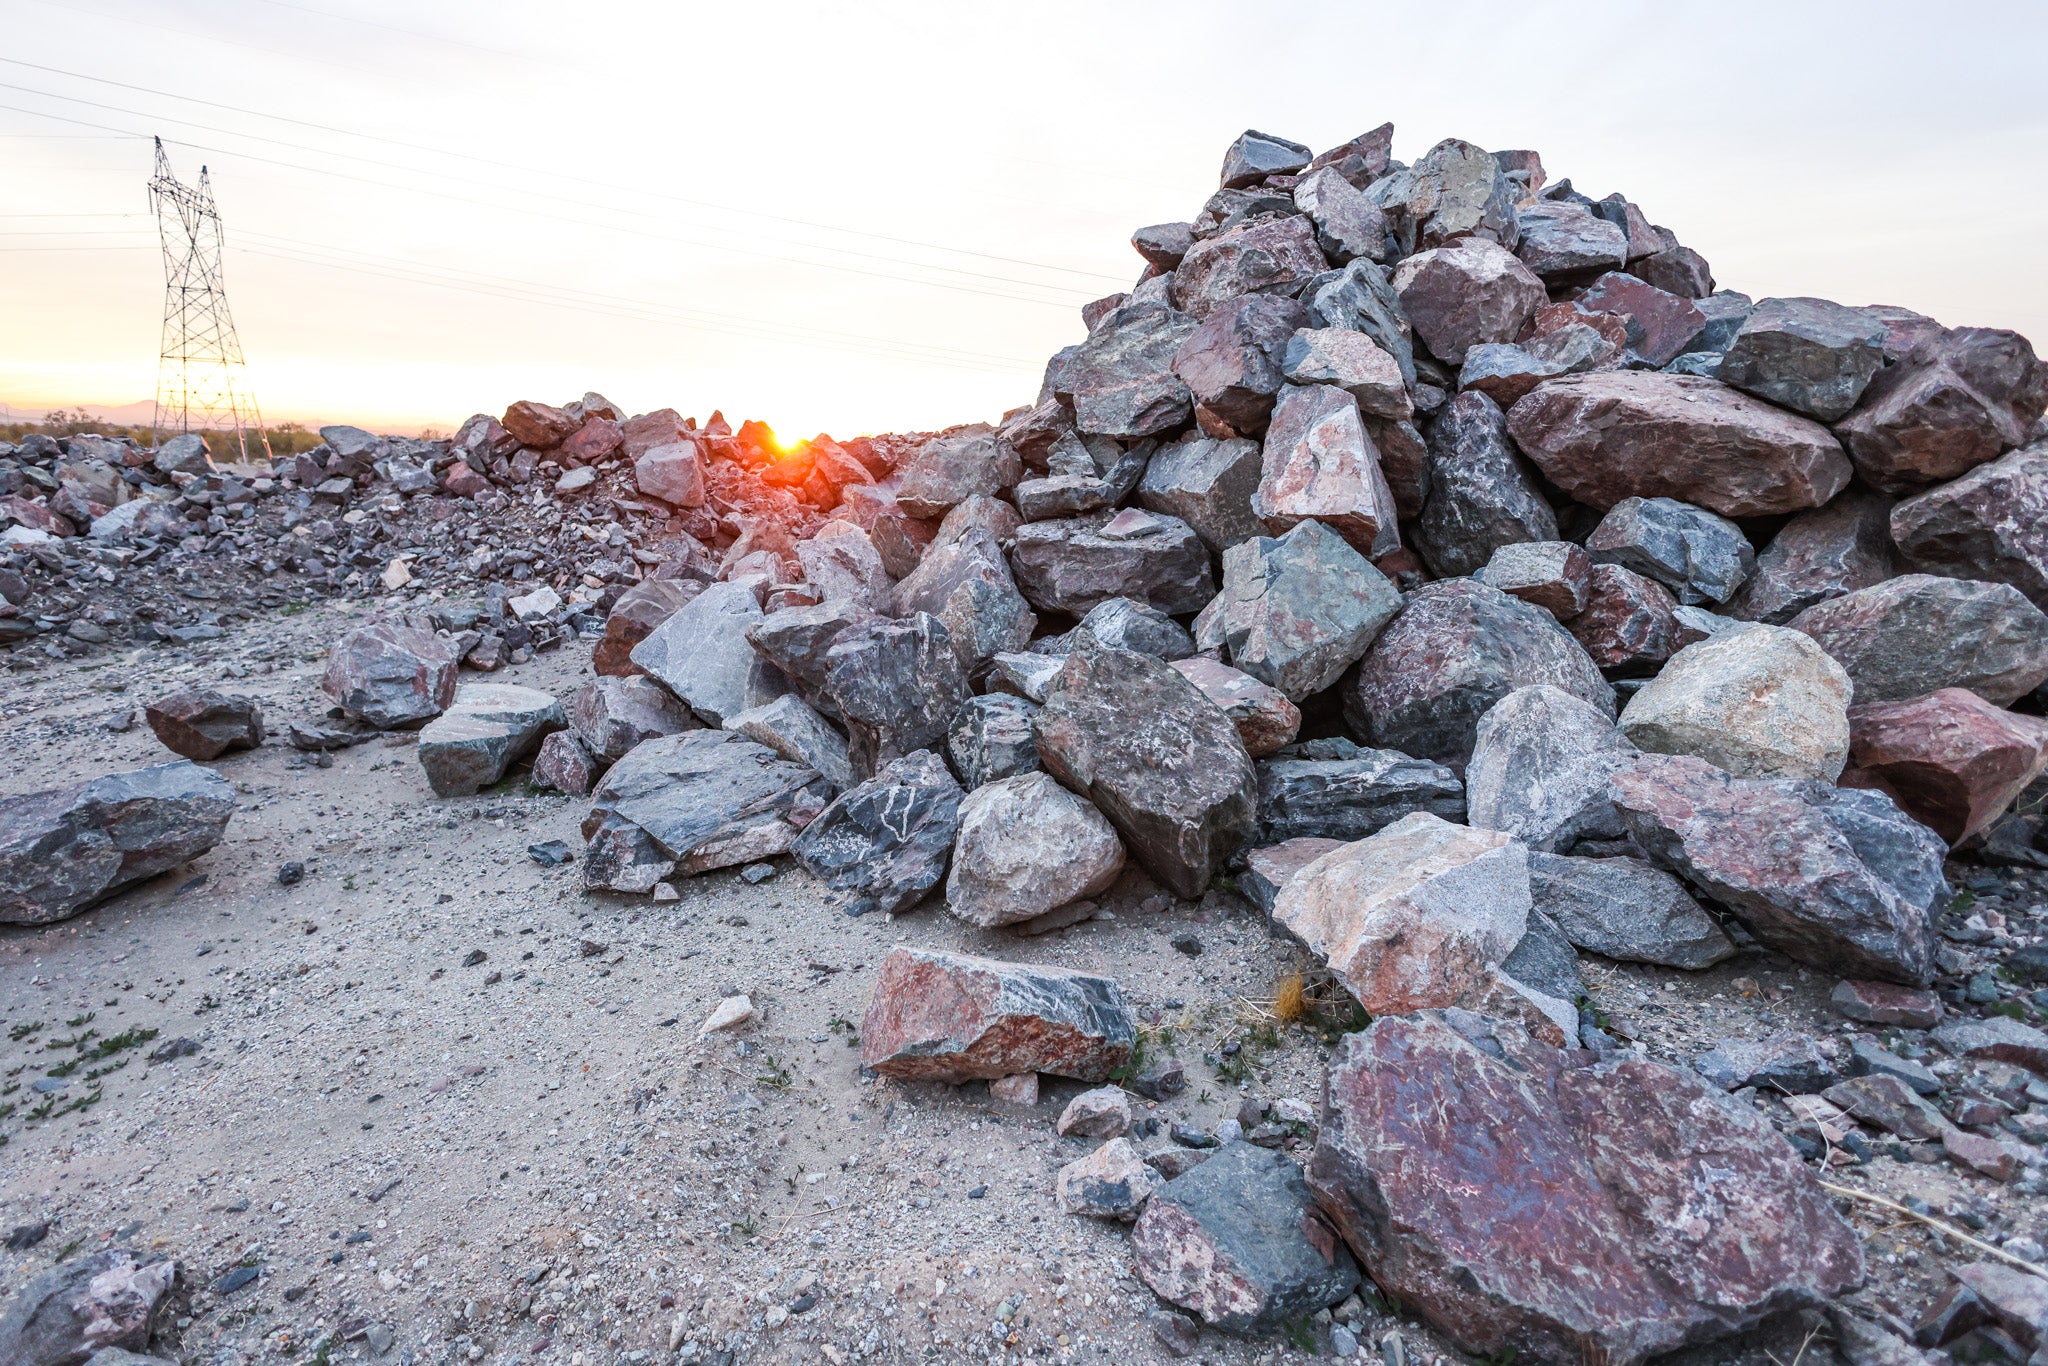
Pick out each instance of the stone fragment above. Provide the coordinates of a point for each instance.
(1958, 399)
(1810, 355)
(2001, 1162)
(797, 641)
(1562, 240)
(1363, 159)
(1818, 555)
(938, 1016)
(1883, 1003)
(703, 655)
(994, 736)
(1544, 965)
(1299, 609)
(1700, 557)
(672, 472)
(184, 453)
(1104, 1112)
(1231, 362)
(954, 466)
(1163, 244)
(1657, 326)
(1156, 757)
(539, 425)
(1481, 494)
(1019, 1090)
(1541, 760)
(200, 723)
(1464, 295)
(1917, 633)
(1348, 225)
(1028, 846)
(966, 584)
(1208, 484)
(1319, 464)
(1122, 380)
(1239, 1242)
(1889, 1104)
(488, 728)
(1629, 624)
(390, 675)
(1609, 1152)
(842, 564)
(1869, 1058)
(1028, 676)
(692, 802)
(882, 844)
(1333, 789)
(1268, 869)
(1112, 1182)
(992, 515)
(796, 732)
(1996, 1038)
(641, 608)
(612, 715)
(1612, 435)
(1361, 298)
(1791, 1064)
(64, 849)
(1259, 256)
(1554, 575)
(1456, 648)
(1950, 759)
(1765, 702)
(1074, 565)
(1264, 717)
(1837, 878)
(1623, 908)
(1351, 361)
(1455, 191)
(1256, 155)
(564, 763)
(898, 684)
(1121, 624)
(98, 1308)
(1990, 525)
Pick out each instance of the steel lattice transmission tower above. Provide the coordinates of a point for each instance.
(201, 381)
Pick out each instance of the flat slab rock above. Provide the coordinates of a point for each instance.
(883, 845)
(938, 1016)
(63, 850)
(1521, 1197)
(1916, 633)
(1334, 789)
(1627, 909)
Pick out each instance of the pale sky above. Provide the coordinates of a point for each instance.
(885, 216)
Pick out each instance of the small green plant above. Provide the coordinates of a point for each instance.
(348, 882)
(77, 1021)
(22, 1031)
(775, 1075)
(70, 1248)
(746, 1227)
(1301, 1335)
(1962, 901)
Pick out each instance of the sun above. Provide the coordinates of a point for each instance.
(784, 445)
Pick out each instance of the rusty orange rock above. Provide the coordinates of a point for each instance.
(937, 1016)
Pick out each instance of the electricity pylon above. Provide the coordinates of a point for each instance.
(201, 381)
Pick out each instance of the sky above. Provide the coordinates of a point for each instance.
(885, 216)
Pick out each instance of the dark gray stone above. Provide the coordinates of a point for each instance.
(954, 466)
(898, 685)
(1544, 961)
(1121, 624)
(1208, 484)
(1809, 355)
(1561, 241)
(1348, 225)
(1299, 609)
(1456, 190)
(1541, 759)
(1361, 297)
(798, 734)
(1122, 377)
(63, 850)
(1554, 575)
(993, 737)
(883, 845)
(98, 1306)
(1699, 556)
(489, 727)
(967, 585)
(1917, 633)
(1334, 789)
(1816, 556)
(1790, 1064)
(1231, 362)
(797, 640)
(703, 653)
(1482, 496)
(1076, 564)
(1163, 244)
(1627, 909)
(390, 675)
(1255, 155)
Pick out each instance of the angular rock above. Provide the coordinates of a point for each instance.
(937, 1016)
(1560, 241)
(1700, 557)
(1208, 484)
(641, 608)
(1085, 474)
(1319, 464)
(1163, 244)
(1481, 494)
(1264, 717)
(882, 845)
(1238, 1241)
(1629, 625)
(797, 641)
(612, 715)
(967, 585)
(1353, 362)
(1456, 190)
(1299, 609)
(1554, 575)
(1996, 1038)
(1950, 759)
(1027, 676)
(1657, 326)
(954, 466)
(1989, 525)
(842, 564)
(1765, 702)
(1676, 270)
(1268, 870)
(1028, 846)
(1122, 379)
(798, 734)
(1361, 297)
(1260, 256)
(672, 472)
(993, 736)
(200, 723)
(1231, 362)
(1819, 555)
(703, 655)
(564, 763)
(1810, 355)
(64, 849)
(1882, 1003)
(1789, 1064)
(1074, 565)
(539, 425)
(1156, 757)
(390, 675)
(1837, 878)
(1256, 155)
(1960, 398)
(1543, 964)
(692, 802)
(1541, 760)
(1112, 1182)
(1889, 1104)
(1609, 1152)
(1623, 908)
(1619, 434)
(1121, 624)
(1348, 225)
(1917, 633)
(898, 684)
(1457, 648)
(1104, 1112)
(1465, 295)
(488, 728)
(99, 1308)
(1333, 789)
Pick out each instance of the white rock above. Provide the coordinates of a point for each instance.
(1027, 846)
(732, 1012)
(1764, 702)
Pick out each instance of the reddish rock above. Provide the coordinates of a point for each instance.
(1882, 1003)
(662, 427)
(35, 516)
(937, 1016)
(102, 1307)
(1985, 1156)
(1612, 435)
(1676, 270)
(1959, 399)
(1523, 1198)
(1818, 555)
(597, 439)
(463, 482)
(538, 425)
(1320, 464)
(1264, 717)
(1263, 256)
(1660, 326)
(1951, 759)
(564, 763)
(1554, 575)
(2017, 1300)
(1996, 1038)
(1465, 295)
(390, 675)
(1627, 624)
(674, 473)
(1231, 363)
(1916, 633)
(200, 723)
(1991, 524)
(634, 616)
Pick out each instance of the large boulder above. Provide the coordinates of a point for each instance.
(1319, 463)
(841, 564)
(882, 845)
(1562, 241)
(1353, 362)
(611, 715)
(1237, 1240)
(1457, 190)
(1838, 878)
(898, 684)
(1454, 650)
(101, 1309)
(1626, 908)
(1818, 555)
(1121, 379)
(1481, 493)
(390, 675)
(1348, 225)
(937, 1016)
(1656, 325)
(1264, 716)
(672, 472)
(954, 466)
(1299, 609)
(1810, 355)
(966, 584)
(1255, 155)
(1333, 789)
(691, 802)
(1156, 757)
(1074, 564)
(1958, 399)
(1699, 556)
(1207, 483)
(1541, 759)
(1231, 362)
(641, 608)
(202, 723)
(1361, 298)
(1259, 256)
(1629, 625)
(798, 642)
(489, 727)
(64, 849)
(1028, 846)
(702, 653)
(1951, 759)
(1524, 1201)
(1991, 524)
(1916, 633)
(1466, 294)
(1612, 435)
(1760, 702)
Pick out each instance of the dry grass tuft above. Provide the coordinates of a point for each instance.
(1290, 1004)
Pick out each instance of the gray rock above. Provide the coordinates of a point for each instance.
(1320, 464)
(1299, 609)
(1231, 362)
(390, 675)
(1112, 1182)
(1790, 1064)
(883, 845)
(1818, 555)
(1267, 870)
(1028, 846)
(1353, 362)
(994, 736)
(1725, 312)
(1989, 525)
(1455, 191)
(703, 653)
(1544, 962)
(1028, 676)
(611, 715)
(1482, 495)
(201, 723)
(1958, 399)
(799, 734)
(1155, 756)
(1554, 575)
(1809, 355)
(1238, 1240)
(1163, 244)
(1560, 241)
(1076, 564)
(1699, 556)
(1122, 379)
(842, 564)
(898, 684)
(1348, 225)
(489, 727)
(1917, 633)
(1762, 702)
(1260, 255)
(185, 453)
(1361, 297)
(1333, 789)
(64, 849)
(1121, 624)
(967, 585)
(954, 466)
(797, 640)
(1208, 484)
(1996, 1038)
(1255, 155)
(98, 1306)
(1867, 1058)
(1541, 760)
(1626, 909)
